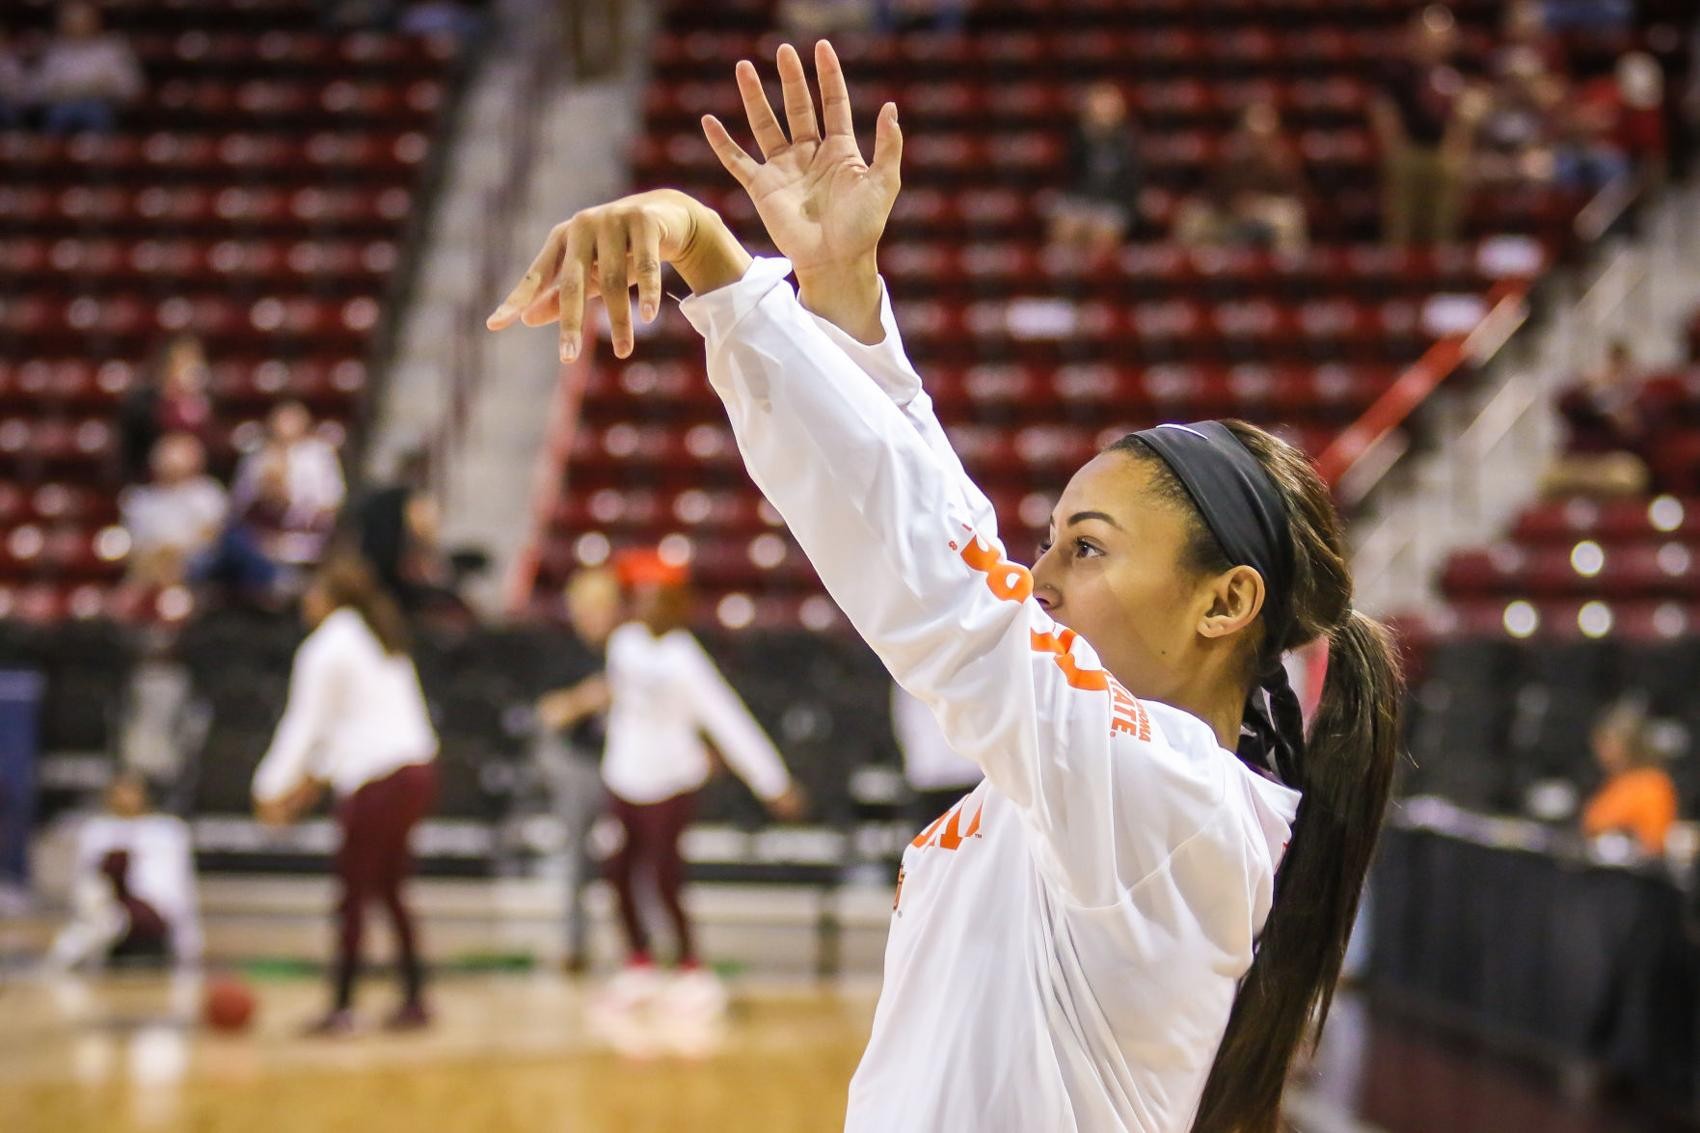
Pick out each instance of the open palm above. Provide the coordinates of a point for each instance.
(822, 204)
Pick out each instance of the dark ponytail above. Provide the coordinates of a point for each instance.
(1284, 999)
(1347, 772)
(346, 580)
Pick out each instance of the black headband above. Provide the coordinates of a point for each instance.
(1243, 510)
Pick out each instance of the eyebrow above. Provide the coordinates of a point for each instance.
(1080, 515)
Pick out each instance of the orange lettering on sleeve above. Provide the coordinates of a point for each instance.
(1059, 645)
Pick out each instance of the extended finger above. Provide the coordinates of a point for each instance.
(763, 124)
(739, 164)
(525, 293)
(646, 262)
(834, 94)
(888, 148)
(570, 289)
(799, 103)
(546, 308)
(616, 297)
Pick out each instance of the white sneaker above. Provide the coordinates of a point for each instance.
(696, 994)
(632, 989)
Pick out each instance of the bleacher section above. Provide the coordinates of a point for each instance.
(259, 196)
(1034, 358)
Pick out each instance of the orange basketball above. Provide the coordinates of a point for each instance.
(228, 1004)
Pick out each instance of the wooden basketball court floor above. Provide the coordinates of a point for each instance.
(510, 1053)
(526, 1053)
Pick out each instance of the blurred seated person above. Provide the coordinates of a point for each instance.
(133, 886)
(903, 15)
(1589, 15)
(1517, 137)
(172, 398)
(1100, 201)
(1523, 29)
(287, 535)
(1606, 433)
(14, 85)
(808, 18)
(1638, 797)
(1616, 124)
(182, 529)
(311, 472)
(176, 516)
(1256, 197)
(448, 18)
(85, 74)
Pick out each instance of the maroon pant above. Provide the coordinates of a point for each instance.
(373, 863)
(651, 844)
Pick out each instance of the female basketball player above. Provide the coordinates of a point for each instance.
(663, 693)
(1132, 922)
(356, 720)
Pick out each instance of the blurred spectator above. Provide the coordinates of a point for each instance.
(14, 85)
(1519, 127)
(1423, 119)
(356, 14)
(447, 19)
(85, 74)
(573, 729)
(1256, 197)
(1638, 797)
(174, 517)
(1094, 211)
(1589, 15)
(595, 32)
(133, 889)
(904, 15)
(1616, 123)
(283, 533)
(1607, 432)
(396, 526)
(807, 18)
(312, 485)
(1523, 30)
(172, 399)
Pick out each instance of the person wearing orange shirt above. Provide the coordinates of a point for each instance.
(1638, 797)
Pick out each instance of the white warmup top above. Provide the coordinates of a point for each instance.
(928, 762)
(355, 713)
(662, 692)
(312, 472)
(1068, 940)
(161, 873)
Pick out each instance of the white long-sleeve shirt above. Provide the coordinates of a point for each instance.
(1067, 942)
(312, 474)
(100, 67)
(663, 692)
(161, 871)
(355, 713)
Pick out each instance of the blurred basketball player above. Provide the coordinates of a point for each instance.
(937, 776)
(574, 728)
(133, 888)
(356, 721)
(664, 691)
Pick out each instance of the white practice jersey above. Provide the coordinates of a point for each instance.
(355, 714)
(1067, 941)
(161, 873)
(663, 693)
